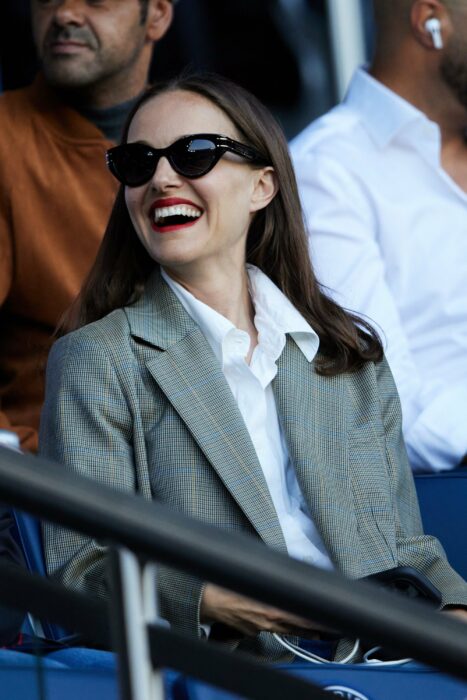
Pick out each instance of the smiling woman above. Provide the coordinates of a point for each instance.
(267, 221)
(225, 185)
(207, 369)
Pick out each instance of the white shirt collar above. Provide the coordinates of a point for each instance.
(386, 114)
(273, 311)
(272, 308)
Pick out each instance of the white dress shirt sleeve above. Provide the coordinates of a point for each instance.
(342, 221)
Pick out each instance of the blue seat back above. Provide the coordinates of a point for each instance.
(30, 539)
(443, 505)
(355, 682)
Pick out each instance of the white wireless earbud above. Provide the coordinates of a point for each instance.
(433, 26)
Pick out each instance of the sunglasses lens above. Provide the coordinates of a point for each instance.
(194, 157)
(133, 164)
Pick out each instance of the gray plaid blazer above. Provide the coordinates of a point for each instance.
(138, 401)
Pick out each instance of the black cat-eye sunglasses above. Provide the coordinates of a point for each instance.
(133, 164)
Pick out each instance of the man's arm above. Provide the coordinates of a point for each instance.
(342, 221)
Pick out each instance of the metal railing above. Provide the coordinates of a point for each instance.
(156, 532)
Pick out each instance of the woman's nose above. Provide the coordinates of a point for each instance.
(165, 176)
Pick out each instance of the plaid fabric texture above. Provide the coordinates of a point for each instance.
(138, 401)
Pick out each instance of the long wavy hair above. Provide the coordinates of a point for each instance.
(276, 242)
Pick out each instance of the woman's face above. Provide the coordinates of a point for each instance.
(221, 203)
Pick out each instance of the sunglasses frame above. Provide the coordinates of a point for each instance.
(223, 144)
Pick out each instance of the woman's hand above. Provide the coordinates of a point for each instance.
(250, 617)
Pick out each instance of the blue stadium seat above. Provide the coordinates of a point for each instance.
(54, 681)
(30, 539)
(443, 504)
(89, 672)
(83, 658)
(355, 682)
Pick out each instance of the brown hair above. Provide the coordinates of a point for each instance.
(277, 241)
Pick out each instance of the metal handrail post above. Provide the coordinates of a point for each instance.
(134, 607)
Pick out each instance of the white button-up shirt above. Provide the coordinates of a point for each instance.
(388, 237)
(275, 316)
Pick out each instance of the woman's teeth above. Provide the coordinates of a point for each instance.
(176, 210)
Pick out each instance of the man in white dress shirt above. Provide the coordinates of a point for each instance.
(383, 180)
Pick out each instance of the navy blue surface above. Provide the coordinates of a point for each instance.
(355, 682)
(30, 539)
(25, 683)
(443, 504)
(24, 677)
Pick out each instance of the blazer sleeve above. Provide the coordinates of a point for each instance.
(87, 424)
(414, 548)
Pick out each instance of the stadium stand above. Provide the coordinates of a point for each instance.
(153, 530)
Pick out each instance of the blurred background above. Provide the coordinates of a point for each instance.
(295, 55)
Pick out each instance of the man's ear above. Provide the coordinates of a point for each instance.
(424, 10)
(159, 18)
(265, 188)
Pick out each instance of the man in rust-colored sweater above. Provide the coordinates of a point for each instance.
(55, 191)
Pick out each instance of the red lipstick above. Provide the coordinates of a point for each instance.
(173, 214)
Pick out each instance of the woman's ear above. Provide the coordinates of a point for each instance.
(265, 188)
(159, 18)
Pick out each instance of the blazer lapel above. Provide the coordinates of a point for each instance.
(191, 378)
(312, 409)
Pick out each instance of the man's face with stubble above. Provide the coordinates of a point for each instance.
(83, 42)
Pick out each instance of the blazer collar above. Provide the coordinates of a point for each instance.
(191, 378)
(312, 409)
(158, 318)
